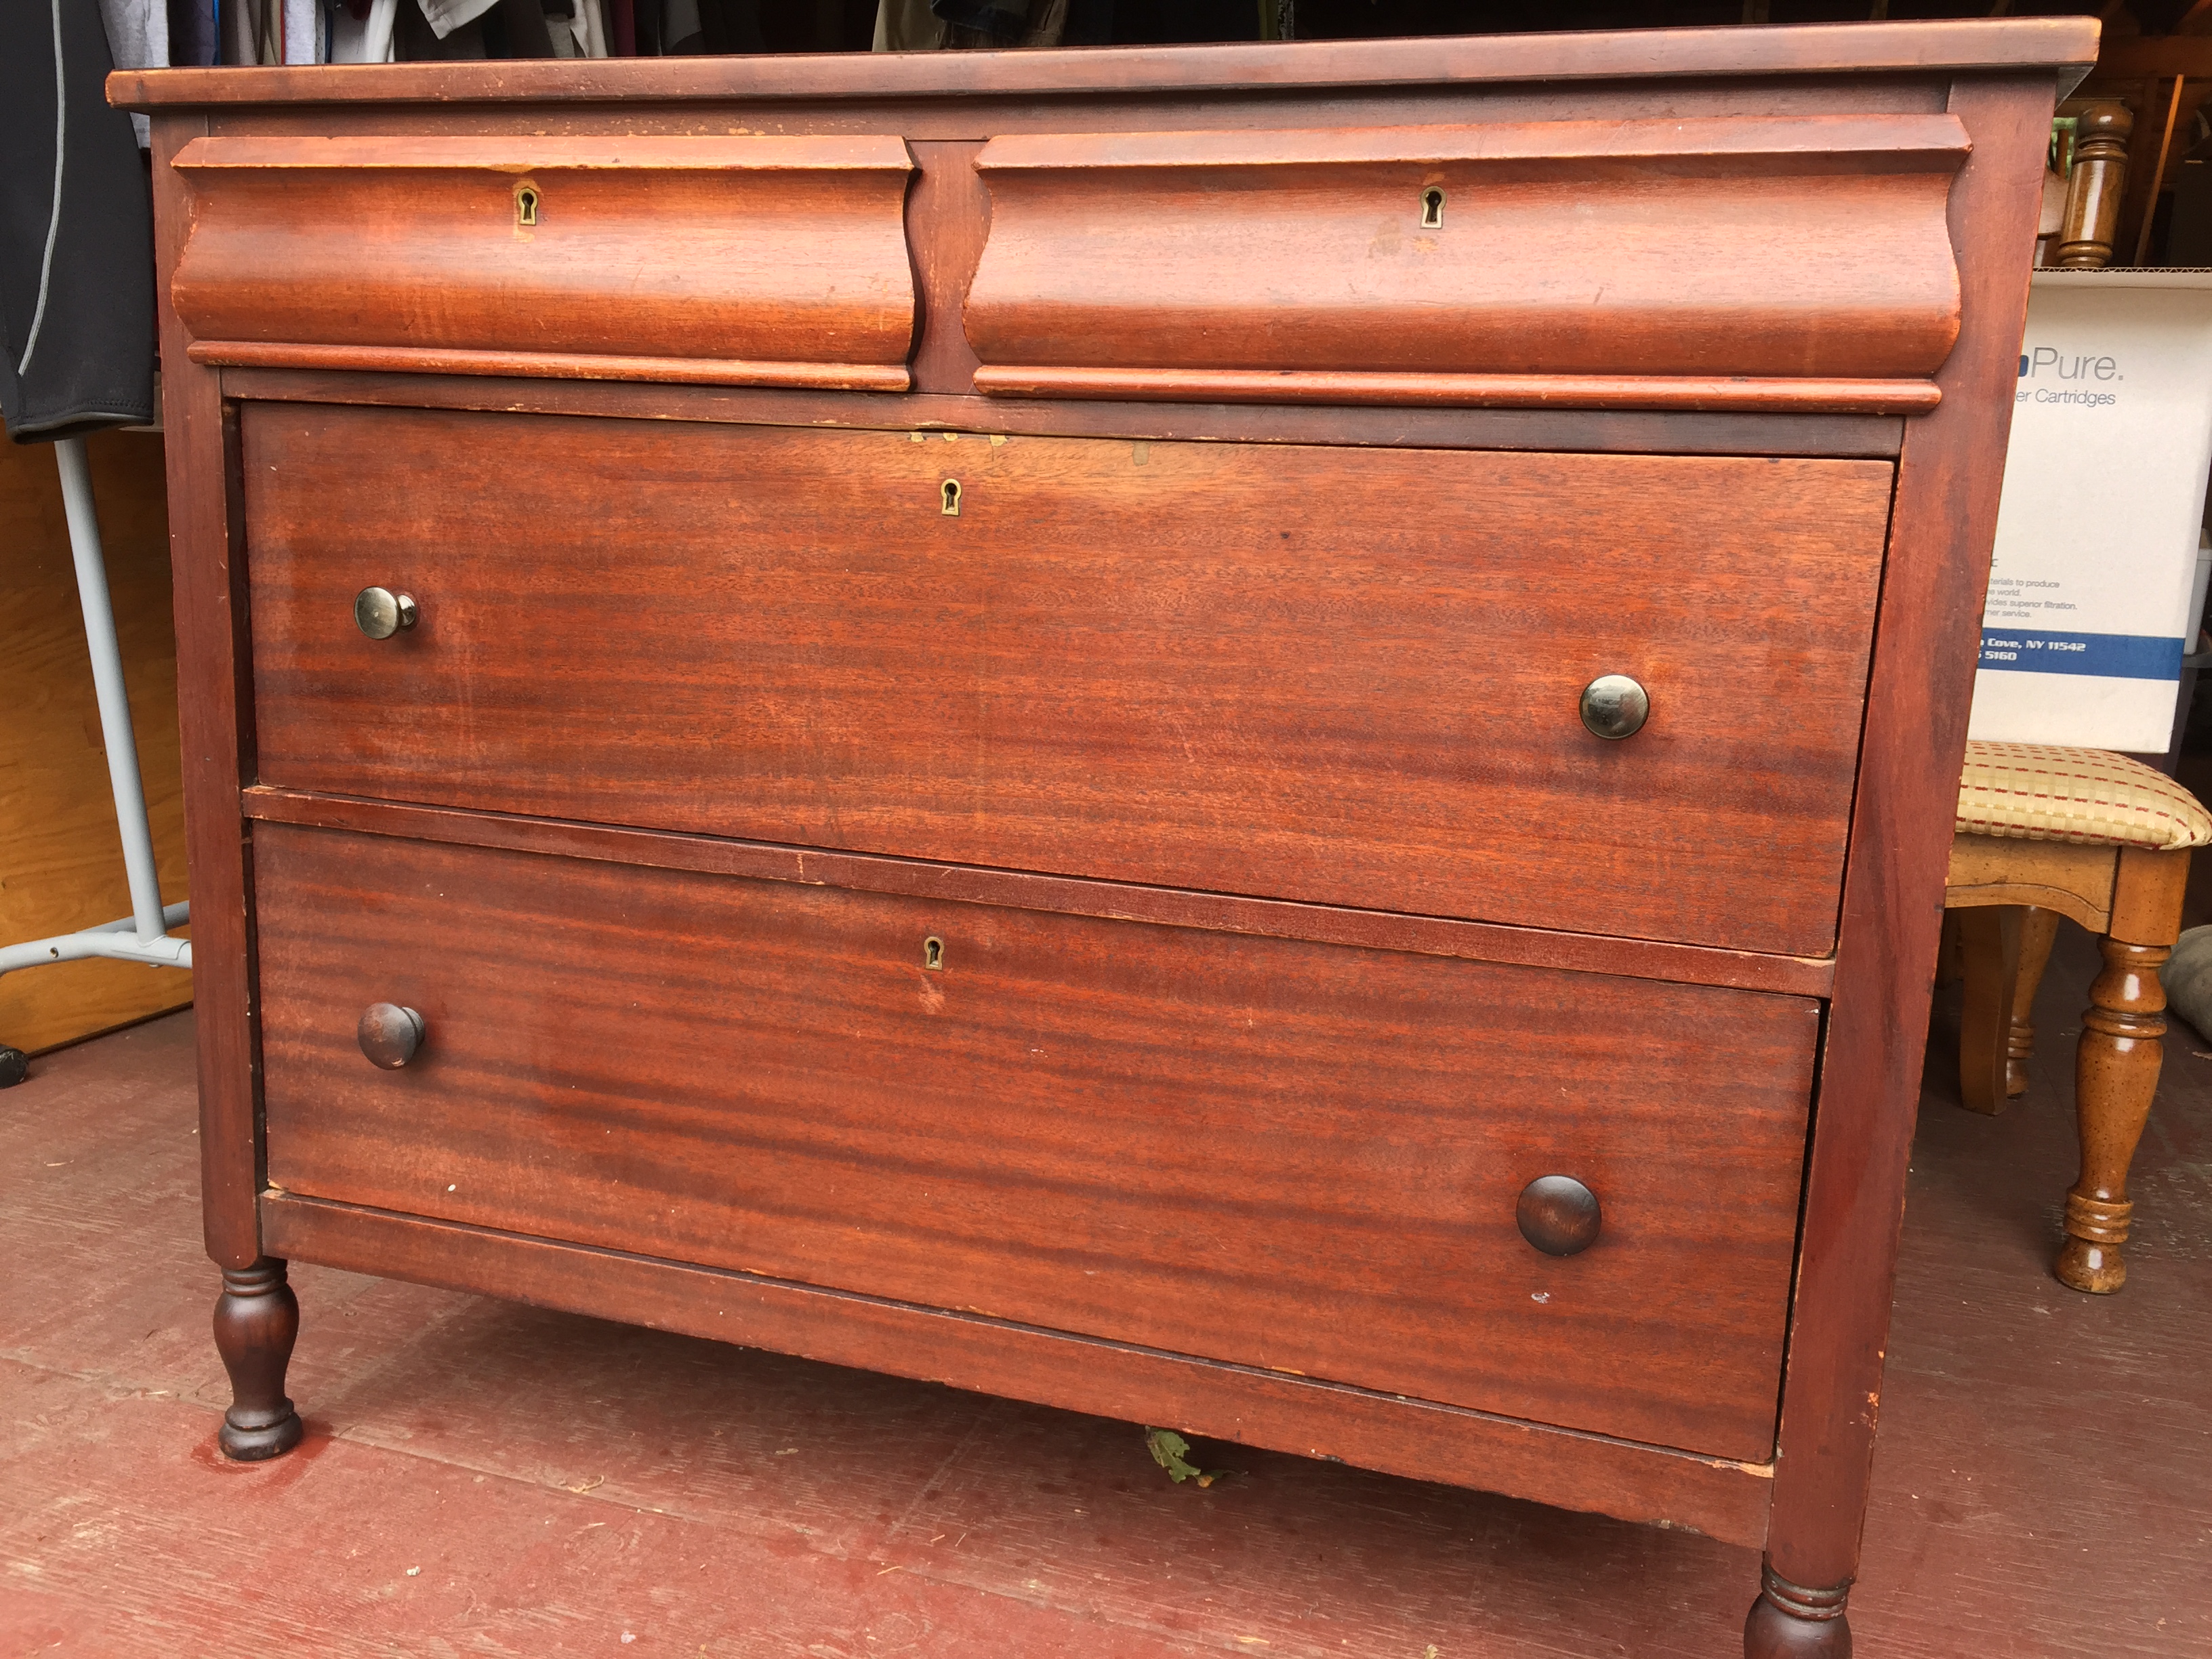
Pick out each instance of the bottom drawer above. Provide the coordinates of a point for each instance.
(1296, 1156)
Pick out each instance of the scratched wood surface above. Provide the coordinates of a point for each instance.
(1296, 1158)
(1345, 676)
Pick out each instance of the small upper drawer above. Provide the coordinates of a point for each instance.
(1343, 676)
(1713, 263)
(730, 261)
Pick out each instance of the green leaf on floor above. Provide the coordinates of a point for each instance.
(1170, 1450)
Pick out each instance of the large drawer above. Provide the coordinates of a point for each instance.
(1348, 676)
(1295, 1157)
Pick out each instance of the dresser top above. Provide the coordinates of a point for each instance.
(2067, 45)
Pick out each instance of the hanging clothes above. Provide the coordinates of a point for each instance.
(137, 38)
(991, 25)
(363, 36)
(303, 32)
(76, 232)
(192, 33)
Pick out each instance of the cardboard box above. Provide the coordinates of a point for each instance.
(2103, 496)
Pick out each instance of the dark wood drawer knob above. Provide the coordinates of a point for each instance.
(1558, 1215)
(391, 1035)
(1615, 706)
(380, 613)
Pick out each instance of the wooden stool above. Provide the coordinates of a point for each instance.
(2044, 833)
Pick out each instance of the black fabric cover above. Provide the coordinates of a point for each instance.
(81, 356)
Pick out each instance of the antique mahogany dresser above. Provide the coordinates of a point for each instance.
(1260, 737)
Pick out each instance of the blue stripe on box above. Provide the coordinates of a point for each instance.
(2108, 656)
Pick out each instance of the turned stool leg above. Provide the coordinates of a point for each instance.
(257, 1318)
(1990, 936)
(2115, 1075)
(2116, 1069)
(2039, 931)
(1789, 1621)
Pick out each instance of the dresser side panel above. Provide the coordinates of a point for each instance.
(215, 710)
(1924, 654)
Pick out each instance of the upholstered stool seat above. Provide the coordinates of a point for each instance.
(2083, 796)
(2044, 832)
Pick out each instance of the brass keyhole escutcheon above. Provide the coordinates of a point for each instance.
(525, 204)
(932, 953)
(952, 495)
(1432, 208)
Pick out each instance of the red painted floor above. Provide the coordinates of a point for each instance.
(485, 1479)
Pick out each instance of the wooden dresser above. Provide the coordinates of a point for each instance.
(1260, 738)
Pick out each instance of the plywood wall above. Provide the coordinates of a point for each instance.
(61, 863)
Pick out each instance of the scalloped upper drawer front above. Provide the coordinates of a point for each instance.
(724, 261)
(1723, 263)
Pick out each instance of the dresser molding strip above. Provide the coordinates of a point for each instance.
(1268, 386)
(1628, 1480)
(875, 872)
(1932, 141)
(1855, 437)
(1856, 49)
(549, 365)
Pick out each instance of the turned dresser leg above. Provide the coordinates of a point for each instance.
(257, 1318)
(2115, 1075)
(1789, 1621)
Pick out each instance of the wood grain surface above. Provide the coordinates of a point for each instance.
(1565, 431)
(1353, 387)
(1171, 907)
(1681, 249)
(1902, 833)
(742, 251)
(1296, 1158)
(214, 727)
(1343, 677)
(1719, 1497)
(1390, 67)
(61, 858)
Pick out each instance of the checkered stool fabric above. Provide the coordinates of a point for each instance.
(2037, 792)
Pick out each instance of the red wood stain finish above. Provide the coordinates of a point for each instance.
(1886, 959)
(215, 722)
(1616, 62)
(1564, 431)
(1545, 249)
(989, 779)
(1341, 676)
(759, 249)
(1171, 907)
(1295, 1157)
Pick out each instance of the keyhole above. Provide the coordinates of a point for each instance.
(1432, 208)
(932, 953)
(526, 206)
(951, 511)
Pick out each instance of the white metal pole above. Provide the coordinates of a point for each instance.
(107, 682)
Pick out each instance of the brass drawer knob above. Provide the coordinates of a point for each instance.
(380, 613)
(1615, 706)
(390, 1035)
(1558, 1215)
